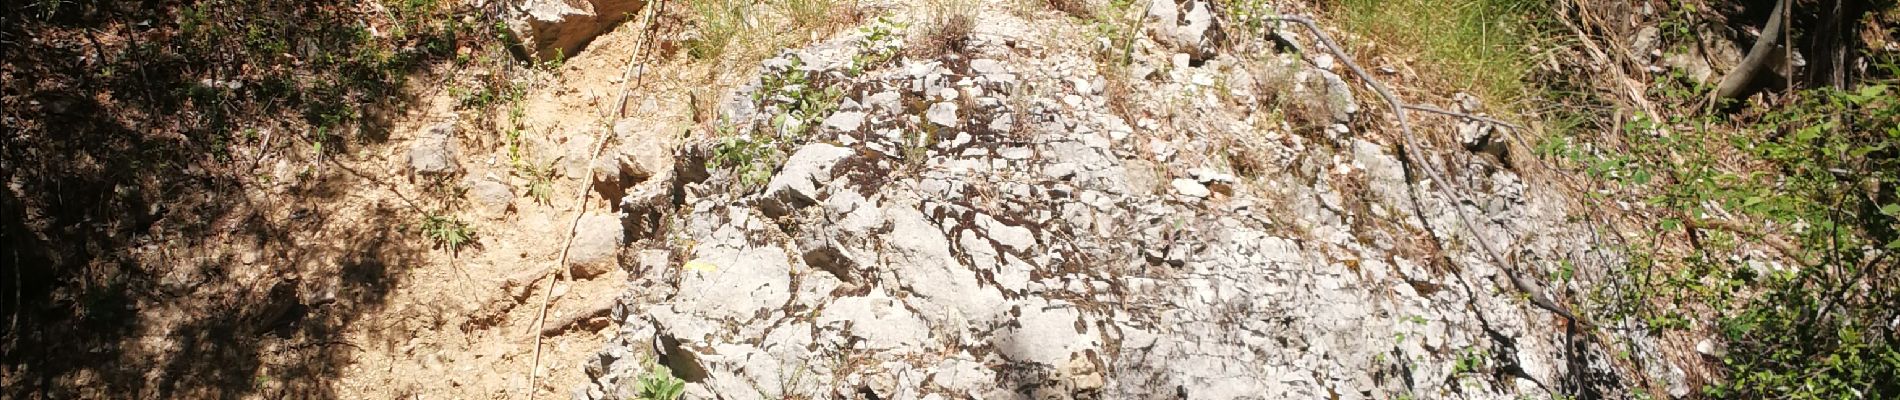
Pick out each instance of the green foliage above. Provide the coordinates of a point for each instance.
(1121, 26)
(1825, 331)
(1479, 46)
(540, 180)
(1470, 360)
(752, 160)
(881, 42)
(800, 102)
(796, 102)
(1812, 179)
(447, 231)
(658, 383)
(1250, 17)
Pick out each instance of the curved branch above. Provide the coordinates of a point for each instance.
(1738, 82)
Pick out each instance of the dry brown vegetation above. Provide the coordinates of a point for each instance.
(947, 31)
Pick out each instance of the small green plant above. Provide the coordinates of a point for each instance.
(1470, 360)
(1121, 26)
(798, 101)
(658, 383)
(447, 231)
(540, 180)
(752, 160)
(555, 63)
(880, 43)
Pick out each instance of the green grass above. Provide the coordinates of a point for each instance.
(719, 23)
(1477, 46)
(743, 32)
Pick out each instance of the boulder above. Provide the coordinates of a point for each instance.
(554, 29)
(433, 152)
(596, 244)
(491, 196)
(1186, 26)
(796, 186)
(942, 113)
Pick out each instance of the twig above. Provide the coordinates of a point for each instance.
(1470, 116)
(1405, 126)
(1635, 93)
(1787, 249)
(1512, 132)
(564, 269)
(580, 198)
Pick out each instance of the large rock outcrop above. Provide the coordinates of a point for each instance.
(1042, 246)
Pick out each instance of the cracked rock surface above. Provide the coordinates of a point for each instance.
(987, 227)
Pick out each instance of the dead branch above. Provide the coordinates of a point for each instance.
(1740, 81)
(1470, 116)
(1788, 250)
(1405, 128)
(580, 199)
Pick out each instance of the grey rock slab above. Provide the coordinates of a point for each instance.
(434, 152)
(596, 244)
(985, 66)
(726, 284)
(845, 121)
(1187, 28)
(888, 103)
(942, 113)
(797, 184)
(491, 196)
(882, 322)
(1190, 188)
(1045, 333)
(920, 259)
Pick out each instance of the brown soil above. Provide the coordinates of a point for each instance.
(299, 275)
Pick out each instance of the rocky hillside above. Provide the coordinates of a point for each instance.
(948, 199)
(1003, 219)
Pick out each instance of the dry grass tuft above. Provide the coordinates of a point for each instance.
(743, 32)
(1075, 8)
(948, 29)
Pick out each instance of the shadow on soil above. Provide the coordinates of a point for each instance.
(139, 255)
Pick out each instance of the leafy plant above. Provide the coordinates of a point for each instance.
(752, 160)
(447, 231)
(540, 180)
(1811, 180)
(658, 383)
(1470, 360)
(880, 43)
